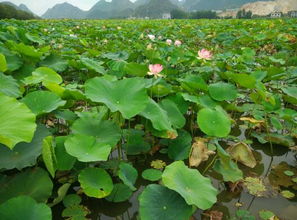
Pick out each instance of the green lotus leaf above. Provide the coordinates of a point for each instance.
(71, 200)
(291, 91)
(45, 75)
(135, 142)
(190, 184)
(226, 167)
(180, 147)
(49, 156)
(135, 69)
(222, 91)
(159, 203)
(9, 86)
(266, 214)
(120, 193)
(64, 160)
(128, 174)
(32, 182)
(175, 116)
(157, 116)
(214, 122)
(3, 63)
(86, 148)
(76, 212)
(23, 154)
(41, 102)
(95, 182)
(17, 122)
(34, 38)
(193, 83)
(244, 80)
(62, 191)
(29, 51)
(24, 207)
(127, 96)
(152, 174)
(55, 62)
(14, 62)
(93, 65)
(105, 132)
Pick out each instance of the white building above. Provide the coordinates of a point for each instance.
(166, 16)
(276, 14)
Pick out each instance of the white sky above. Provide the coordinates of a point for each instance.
(39, 7)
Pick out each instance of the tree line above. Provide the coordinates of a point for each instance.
(8, 11)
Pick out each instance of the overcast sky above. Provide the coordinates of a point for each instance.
(40, 6)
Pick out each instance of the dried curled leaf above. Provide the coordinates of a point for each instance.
(242, 153)
(199, 152)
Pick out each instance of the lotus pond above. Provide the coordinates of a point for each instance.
(149, 120)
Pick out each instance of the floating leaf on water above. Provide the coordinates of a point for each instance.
(152, 174)
(255, 186)
(287, 194)
(71, 200)
(289, 173)
(199, 152)
(267, 215)
(190, 184)
(242, 153)
(165, 203)
(76, 212)
(277, 176)
(95, 182)
(24, 207)
(158, 164)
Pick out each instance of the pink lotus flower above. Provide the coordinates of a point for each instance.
(151, 37)
(204, 54)
(155, 70)
(177, 43)
(168, 42)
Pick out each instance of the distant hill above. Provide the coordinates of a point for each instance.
(265, 8)
(113, 9)
(9, 10)
(64, 10)
(155, 8)
(201, 5)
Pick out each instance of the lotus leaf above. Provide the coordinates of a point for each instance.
(24, 207)
(165, 203)
(190, 184)
(17, 125)
(95, 182)
(127, 96)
